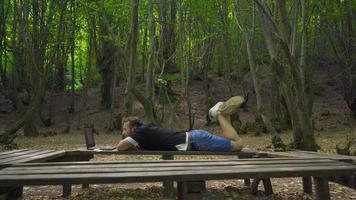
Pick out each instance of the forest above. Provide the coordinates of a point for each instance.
(282, 55)
(69, 65)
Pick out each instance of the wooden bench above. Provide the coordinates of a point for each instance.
(346, 180)
(169, 155)
(9, 158)
(187, 174)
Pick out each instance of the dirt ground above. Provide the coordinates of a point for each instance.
(284, 189)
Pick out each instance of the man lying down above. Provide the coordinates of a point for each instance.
(151, 137)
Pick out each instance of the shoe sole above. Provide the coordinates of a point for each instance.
(212, 117)
(231, 105)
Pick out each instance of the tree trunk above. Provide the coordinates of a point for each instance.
(152, 57)
(106, 61)
(133, 48)
(72, 49)
(167, 37)
(3, 61)
(89, 64)
(61, 51)
(227, 66)
(10, 133)
(248, 39)
(17, 49)
(296, 96)
(207, 57)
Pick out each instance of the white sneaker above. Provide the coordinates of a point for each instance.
(231, 105)
(214, 111)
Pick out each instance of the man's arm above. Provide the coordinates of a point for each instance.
(124, 145)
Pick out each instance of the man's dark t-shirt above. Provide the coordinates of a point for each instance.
(151, 137)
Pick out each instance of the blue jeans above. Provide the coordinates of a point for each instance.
(202, 140)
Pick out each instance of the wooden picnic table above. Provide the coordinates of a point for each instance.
(346, 180)
(10, 158)
(311, 154)
(169, 155)
(185, 172)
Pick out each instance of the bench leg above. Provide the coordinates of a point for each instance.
(321, 188)
(266, 184)
(10, 193)
(307, 185)
(191, 190)
(247, 182)
(67, 190)
(85, 186)
(168, 188)
(254, 185)
(76, 156)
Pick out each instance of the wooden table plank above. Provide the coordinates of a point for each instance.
(11, 152)
(244, 152)
(118, 168)
(42, 157)
(25, 156)
(91, 178)
(309, 154)
(164, 161)
(16, 154)
(85, 165)
(329, 156)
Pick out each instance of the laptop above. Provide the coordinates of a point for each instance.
(90, 141)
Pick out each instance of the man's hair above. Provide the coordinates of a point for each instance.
(133, 121)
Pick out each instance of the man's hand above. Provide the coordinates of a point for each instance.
(124, 145)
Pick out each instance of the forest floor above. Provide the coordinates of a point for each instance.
(331, 119)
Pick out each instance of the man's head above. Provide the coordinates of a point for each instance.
(129, 124)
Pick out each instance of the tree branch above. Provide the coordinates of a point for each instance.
(268, 16)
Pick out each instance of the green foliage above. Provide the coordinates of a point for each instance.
(202, 20)
(278, 144)
(343, 148)
(173, 77)
(164, 87)
(236, 124)
(252, 127)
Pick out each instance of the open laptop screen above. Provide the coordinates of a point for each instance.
(89, 137)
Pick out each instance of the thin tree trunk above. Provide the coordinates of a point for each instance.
(106, 59)
(226, 46)
(207, 57)
(72, 49)
(112, 106)
(252, 63)
(296, 98)
(61, 53)
(34, 51)
(152, 57)
(133, 49)
(3, 79)
(187, 71)
(17, 57)
(90, 56)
